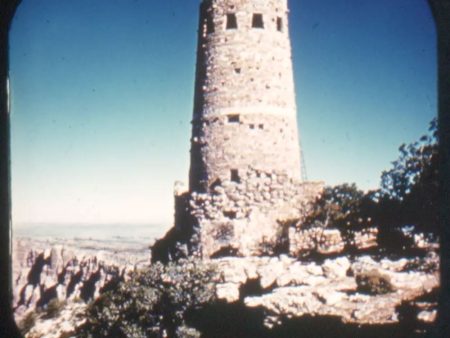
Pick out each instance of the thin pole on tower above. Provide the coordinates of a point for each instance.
(304, 175)
(303, 164)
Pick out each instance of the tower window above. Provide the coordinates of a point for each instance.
(257, 21)
(261, 126)
(231, 21)
(209, 25)
(233, 118)
(234, 176)
(230, 214)
(279, 24)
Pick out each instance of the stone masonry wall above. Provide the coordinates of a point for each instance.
(260, 141)
(245, 218)
(244, 107)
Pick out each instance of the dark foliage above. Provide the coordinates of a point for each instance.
(338, 207)
(373, 283)
(54, 308)
(409, 190)
(408, 196)
(152, 303)
(27, 323)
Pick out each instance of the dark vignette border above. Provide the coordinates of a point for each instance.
(8, 327)
(441, 13)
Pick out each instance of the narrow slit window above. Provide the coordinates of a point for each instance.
(234, 176)
(233, 118)
(279, 24)
(209, 25)
(257, 21)
(231, 21)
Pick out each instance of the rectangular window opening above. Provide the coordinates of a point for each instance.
(261, 126)
(279, 24)
(230, 214)
(257, 21)
(231, 21)
(209, 25)
(233, 118)
(234, 176)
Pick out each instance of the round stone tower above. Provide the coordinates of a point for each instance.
(245, 116)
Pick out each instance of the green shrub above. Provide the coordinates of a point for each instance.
(409, 192)
(374, 283)
(152, 303)
(27, 323)
(408, 196)
(54, 308)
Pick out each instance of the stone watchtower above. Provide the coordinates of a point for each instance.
(245, 115)
(245, 175)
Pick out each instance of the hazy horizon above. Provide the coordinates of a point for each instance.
(102, 96)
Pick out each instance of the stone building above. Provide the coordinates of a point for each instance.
(244, 110)
(245, 174)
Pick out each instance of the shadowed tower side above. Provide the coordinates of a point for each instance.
(245, 116)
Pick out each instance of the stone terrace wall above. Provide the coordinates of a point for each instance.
(329, 241)
(245, 218)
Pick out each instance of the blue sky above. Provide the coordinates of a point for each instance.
(102, 99)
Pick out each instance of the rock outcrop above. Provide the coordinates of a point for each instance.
(285, 287)
(61, 273)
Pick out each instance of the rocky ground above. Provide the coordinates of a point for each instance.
(52, 286)
(283, 286)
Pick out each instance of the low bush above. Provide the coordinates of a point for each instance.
(373, 283)
(27, 323)
(54, 308)
(152, 303)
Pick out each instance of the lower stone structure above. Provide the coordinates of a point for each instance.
(245, 216)
(327, 241)
(320, 240)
